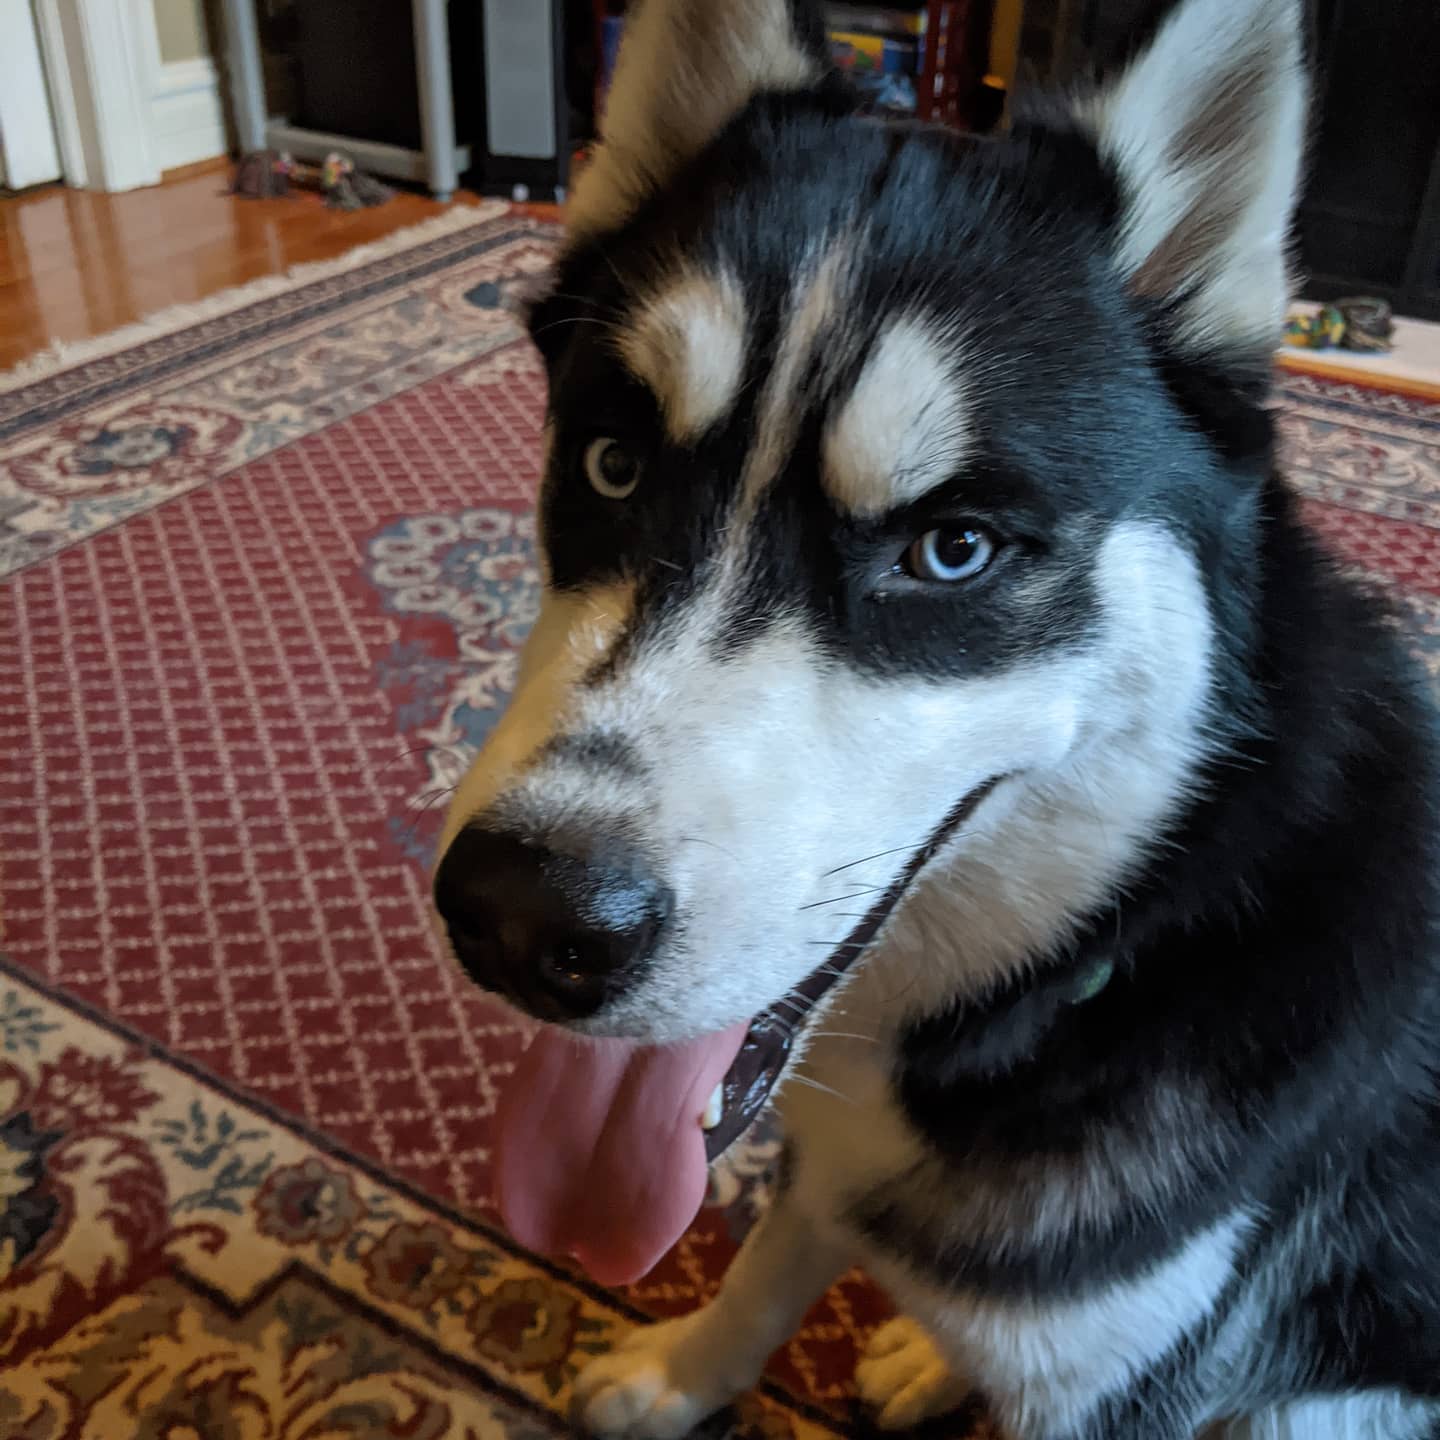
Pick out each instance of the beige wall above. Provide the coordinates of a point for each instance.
(181, 24)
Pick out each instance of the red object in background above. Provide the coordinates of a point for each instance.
(957, 46)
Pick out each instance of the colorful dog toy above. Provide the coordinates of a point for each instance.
(271, 174)
(346, 188)
(1358, 323)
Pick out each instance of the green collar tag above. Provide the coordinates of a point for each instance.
(1092, 981)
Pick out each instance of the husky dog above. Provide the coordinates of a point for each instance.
(938, 708)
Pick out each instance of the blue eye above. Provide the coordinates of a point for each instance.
(951, 553)
(611, 469)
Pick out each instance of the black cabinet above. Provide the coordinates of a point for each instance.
(1370, 216)
(354, 68)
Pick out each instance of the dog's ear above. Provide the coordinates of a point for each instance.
(1205, 133)
(685, 68)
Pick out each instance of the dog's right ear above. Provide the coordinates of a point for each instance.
(1205, 133)
(685, 68)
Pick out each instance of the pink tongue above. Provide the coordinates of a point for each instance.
(600, 1154)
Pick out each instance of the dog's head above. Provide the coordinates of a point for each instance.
(898, 487)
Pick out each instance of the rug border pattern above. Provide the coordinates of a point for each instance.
(326, 1145)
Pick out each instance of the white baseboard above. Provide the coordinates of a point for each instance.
(188, 118)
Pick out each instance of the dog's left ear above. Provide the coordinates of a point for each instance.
(685, 68)
(1205, 133)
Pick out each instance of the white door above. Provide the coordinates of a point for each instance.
(29, 154)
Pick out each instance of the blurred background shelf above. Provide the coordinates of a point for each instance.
(436, 158)
(441, 92)
(944, 60)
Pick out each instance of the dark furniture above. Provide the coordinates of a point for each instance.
(421, 90)
(1370, 216)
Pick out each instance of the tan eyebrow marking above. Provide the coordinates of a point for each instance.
(904, 427)
(687, 343)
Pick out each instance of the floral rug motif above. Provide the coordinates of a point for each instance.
(475, 572)
(263, 581)
(176, 1262)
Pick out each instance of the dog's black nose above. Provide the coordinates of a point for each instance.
(556, 934)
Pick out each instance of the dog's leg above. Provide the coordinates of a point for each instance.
(903, 1377)
(666, 1378)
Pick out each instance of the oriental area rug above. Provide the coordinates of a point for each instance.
(264, 573)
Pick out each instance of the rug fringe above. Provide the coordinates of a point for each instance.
(64, 354)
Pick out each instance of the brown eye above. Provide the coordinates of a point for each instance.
(951, 553)
(611, 469)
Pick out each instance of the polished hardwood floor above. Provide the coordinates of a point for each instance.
(75, 264)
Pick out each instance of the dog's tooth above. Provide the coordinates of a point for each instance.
(715, 1110)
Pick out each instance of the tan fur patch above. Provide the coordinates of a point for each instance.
(903, 429)
(574, 633)
(688, 346)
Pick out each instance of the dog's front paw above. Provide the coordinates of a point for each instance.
(903, 1378)
(658, 1384)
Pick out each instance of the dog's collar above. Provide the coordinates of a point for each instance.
(1090, 981)
(990, 1036)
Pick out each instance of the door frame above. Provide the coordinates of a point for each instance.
(29, 150)
(102, 60)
